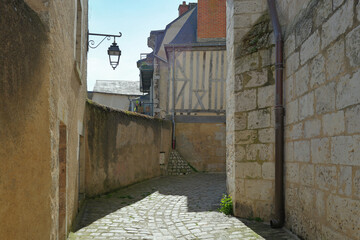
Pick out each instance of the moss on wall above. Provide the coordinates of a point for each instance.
(258, 36)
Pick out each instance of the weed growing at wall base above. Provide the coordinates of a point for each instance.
(226, 205)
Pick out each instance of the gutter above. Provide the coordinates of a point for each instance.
(279, 218)
(173, 95)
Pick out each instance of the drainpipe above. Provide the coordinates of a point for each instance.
(173, 95)
(279, 218)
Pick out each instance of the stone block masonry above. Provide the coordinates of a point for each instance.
(251, 182)
(322, 134)
(178, 165)
(325, 145)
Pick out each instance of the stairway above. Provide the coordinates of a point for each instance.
(177, 165)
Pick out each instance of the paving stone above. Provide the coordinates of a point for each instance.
(171, 207)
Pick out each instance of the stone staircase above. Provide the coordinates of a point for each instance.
(177, 165)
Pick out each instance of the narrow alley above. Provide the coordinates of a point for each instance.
(133, 119)
(172, 207)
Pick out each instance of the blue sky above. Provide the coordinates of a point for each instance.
(134, 19)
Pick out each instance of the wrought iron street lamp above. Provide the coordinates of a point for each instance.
(113, 51)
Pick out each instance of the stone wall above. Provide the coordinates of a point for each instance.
(43, 99)
(322, 133)
(254, 122)
(123, 148)
(249, 118)
(202, 145)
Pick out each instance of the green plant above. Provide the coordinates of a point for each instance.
(256, 219)
(226, 205)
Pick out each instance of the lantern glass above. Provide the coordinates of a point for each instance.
(114, 55)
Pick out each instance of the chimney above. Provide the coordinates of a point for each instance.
(211, 20)
(183, 8)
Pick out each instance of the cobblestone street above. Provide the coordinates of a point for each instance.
(174, 207)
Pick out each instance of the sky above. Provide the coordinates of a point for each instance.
(134, 19)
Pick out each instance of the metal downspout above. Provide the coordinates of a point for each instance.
(173, 100)
(279, 218)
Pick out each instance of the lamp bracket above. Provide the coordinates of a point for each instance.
(93, 45)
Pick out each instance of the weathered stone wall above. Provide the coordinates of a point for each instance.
(25, 180)
(123, 148)
(254, 122)
(43, 93)
(322, 95)
(249, 118)
(322, 133)
(202, 145)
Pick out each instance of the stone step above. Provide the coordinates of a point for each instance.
(177, 165)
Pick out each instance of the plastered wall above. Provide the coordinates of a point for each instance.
(42, 90)
(202, 145)
(117, 101)
(67, 24)
(123, 148)
(25, 179)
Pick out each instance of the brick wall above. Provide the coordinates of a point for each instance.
(183, 8)
(211, 19)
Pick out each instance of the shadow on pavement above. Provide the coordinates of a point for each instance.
(268, 233)
(203, 193)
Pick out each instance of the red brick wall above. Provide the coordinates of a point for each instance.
(183, 8)
(211, 19)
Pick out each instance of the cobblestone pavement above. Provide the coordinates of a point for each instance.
(173, 207)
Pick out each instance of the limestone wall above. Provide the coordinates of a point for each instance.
(249, 110)
(322, 100)
(202, 145)
(123, 148)
(322, 95)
